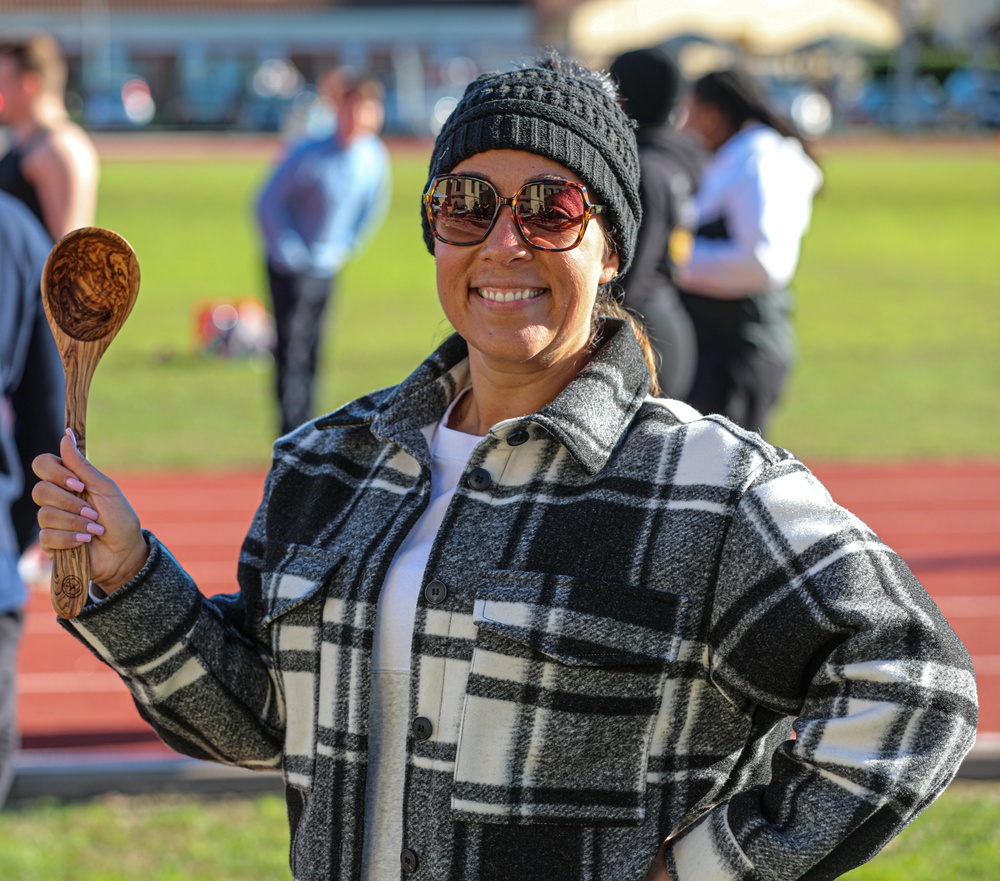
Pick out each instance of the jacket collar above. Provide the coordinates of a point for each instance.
(588, 417)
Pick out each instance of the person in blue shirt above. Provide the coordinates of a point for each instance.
(32, 395)
(321, 203)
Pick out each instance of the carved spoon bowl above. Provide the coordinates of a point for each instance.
(89, 285)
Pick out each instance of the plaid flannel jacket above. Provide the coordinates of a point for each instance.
(633, 604)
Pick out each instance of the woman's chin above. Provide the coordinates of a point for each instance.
(522, 346)
(528, 350)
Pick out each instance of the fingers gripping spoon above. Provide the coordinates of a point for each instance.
(89, 285)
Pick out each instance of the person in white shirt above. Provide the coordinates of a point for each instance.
(752, 210)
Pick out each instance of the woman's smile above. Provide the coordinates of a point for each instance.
(508, 295)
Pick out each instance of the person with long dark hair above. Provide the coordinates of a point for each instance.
(752, 209)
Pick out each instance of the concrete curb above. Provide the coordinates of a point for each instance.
(78, 775)
(983, 760)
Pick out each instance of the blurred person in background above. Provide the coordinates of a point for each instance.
(514, 617)
(752, 209)
(32, 395)
(320, 205)
(648, 81)
(51, 164)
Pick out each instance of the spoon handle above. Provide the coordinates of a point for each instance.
(71, 567)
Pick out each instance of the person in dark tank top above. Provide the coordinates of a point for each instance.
(51, 164)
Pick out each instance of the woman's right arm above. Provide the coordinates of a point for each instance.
(199, 671)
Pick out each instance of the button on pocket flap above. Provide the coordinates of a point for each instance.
(580, 623)
(294, 573)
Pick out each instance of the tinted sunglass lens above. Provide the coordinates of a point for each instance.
(463, 209)
(551, 214)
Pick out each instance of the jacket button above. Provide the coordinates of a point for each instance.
(479, 479)
(422, 728)
(517, 437)
(435, 592)
(408, 859)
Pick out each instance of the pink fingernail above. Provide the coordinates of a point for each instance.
(89, 513)
(71, 436)
(75, 485)
(95, 529)
(83, 536)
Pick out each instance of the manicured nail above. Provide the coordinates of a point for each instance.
(83, 536)
(95, 529)
(89, 513)
(75, 485)
(71, 436)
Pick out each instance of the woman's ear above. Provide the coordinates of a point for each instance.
(610, 270)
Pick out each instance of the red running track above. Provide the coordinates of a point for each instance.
(943, 519)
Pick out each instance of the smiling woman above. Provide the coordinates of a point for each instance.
(524, 306)
(516, 617)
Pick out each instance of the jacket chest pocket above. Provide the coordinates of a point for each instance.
(563, 691)
(299, 592)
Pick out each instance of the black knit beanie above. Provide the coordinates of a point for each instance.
(648, 80)
(567, 117)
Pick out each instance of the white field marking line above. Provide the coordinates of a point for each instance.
(969, 606)
(69, 683)
(988, 665)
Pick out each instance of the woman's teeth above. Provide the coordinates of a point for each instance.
(498, 296)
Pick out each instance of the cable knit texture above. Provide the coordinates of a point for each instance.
(569, 119)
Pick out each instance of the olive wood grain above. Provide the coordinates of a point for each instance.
(89, 285)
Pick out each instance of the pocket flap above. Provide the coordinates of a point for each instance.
(580, 623)
(294, 574)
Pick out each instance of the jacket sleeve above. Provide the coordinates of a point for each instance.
(647, 276)
(816, 618)
(284, 245)
(38, 403)
(199, 669)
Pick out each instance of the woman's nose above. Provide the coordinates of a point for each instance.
(505, 235)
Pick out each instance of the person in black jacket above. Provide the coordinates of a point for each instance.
(670, 162)
(32, 393)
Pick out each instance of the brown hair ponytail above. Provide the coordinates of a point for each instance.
(607, 304)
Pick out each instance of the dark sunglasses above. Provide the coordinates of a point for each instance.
(550, 214)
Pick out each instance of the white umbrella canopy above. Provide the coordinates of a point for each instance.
(600, 29)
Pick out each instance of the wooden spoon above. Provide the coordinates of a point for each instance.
(89, 285)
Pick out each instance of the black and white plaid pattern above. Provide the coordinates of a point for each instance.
(638, 606)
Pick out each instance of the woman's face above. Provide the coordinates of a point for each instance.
(705, 123)
(11, 88)
(549, 322)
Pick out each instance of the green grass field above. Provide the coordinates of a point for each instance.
(898, 312)
(173, 838)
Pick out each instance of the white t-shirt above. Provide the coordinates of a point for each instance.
(397, 603)
(388, 721)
